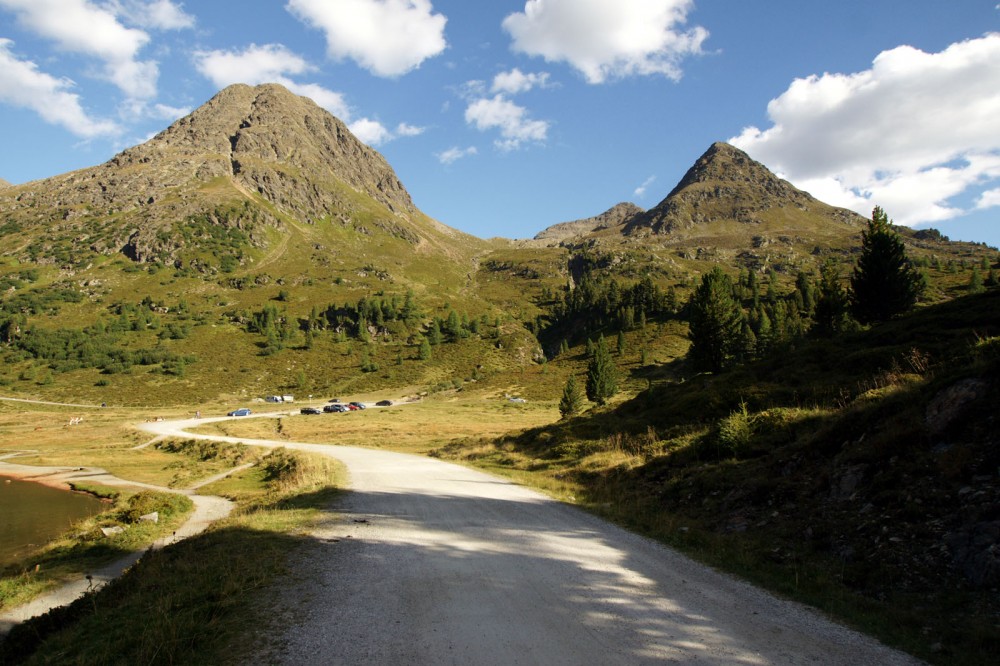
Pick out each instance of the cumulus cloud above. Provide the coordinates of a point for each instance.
(989, 199)
(515, 81)
(910, 134)
(608, 39)
(498, 112)
(370, 131)
(83, 27)
(23, 85)
(455, 153)
(387, 37)
(269, 63)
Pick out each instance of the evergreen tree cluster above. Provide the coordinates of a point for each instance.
(598, 303)
(731, 323)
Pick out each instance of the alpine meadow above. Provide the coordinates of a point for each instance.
(782, 389)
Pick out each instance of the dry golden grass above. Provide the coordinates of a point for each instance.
(418, 427)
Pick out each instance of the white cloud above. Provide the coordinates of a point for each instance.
(455, 153)
(22, 85)
(608, 39)
(270, 63)
(515, 81)
(370, 131)
(512, 120)
(387, 37)
(910, 134)
(641, 190)
(80, 26)
(404, 129)
(155, 14)
(990, 198)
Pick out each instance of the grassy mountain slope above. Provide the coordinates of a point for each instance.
(858, 474)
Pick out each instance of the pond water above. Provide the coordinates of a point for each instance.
(32, 514)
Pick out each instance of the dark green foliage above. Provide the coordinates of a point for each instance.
(92, 347)
(832, 315)
(572, 399)
(885, 283)
(602, 375)
(597, 303)
(716, 323)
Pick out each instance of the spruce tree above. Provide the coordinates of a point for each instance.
(884, 283)
(602, 376)
(716, 323)
(833, 304)
(976, 281)
(572, 400)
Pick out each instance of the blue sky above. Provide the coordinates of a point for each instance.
(504, 117)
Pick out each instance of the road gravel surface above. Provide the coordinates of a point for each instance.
(428, 562)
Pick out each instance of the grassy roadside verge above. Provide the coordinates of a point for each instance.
(86, 547)
(198, 601)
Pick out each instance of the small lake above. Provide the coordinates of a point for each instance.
(32, 514)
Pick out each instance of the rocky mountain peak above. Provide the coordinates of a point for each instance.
(271, 141)
(725, 184)
(613, 217)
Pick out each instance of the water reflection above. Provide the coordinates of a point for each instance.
(32, 514)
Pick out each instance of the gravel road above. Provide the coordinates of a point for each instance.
(429, 562)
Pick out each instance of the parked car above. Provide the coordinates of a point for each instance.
(384, 403)
(310, 410)
(357, 405)
(334, 408)
(242, 411)
(352, 407)
(334, 400)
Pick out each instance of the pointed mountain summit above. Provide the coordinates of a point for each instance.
(726, 185)
(250, 160)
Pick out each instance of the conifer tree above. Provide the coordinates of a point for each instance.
(832, 305)
(602, 376)
(716, 322)
(976, 281)
(424, 351)
(884, 283)
(572, 400)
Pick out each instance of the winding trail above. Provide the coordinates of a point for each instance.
(207, 510)
(432, 562)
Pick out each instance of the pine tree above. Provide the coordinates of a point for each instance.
(621, 343)
(572, 400)
(716, 322)
(884, 283)
(424, 351)
(976, 281)
(602, 376)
